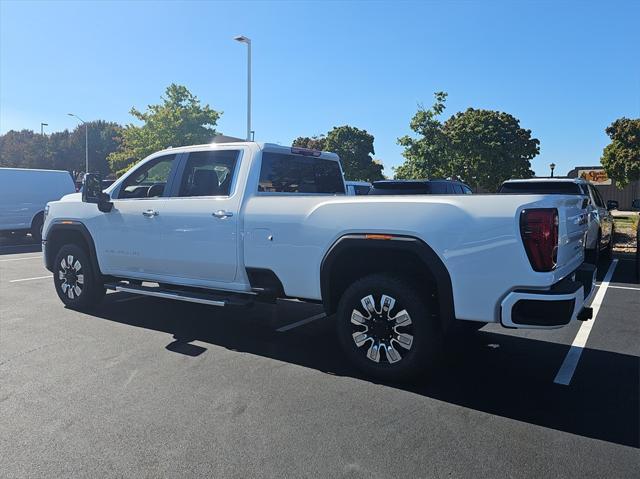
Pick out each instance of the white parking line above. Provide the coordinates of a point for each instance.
(624, 287)
(20, 259)
(565, 373)
(30, 279)
(300, 323)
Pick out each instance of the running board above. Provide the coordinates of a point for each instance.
(167, 294)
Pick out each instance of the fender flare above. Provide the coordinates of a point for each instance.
(413, 245)
(75, 226)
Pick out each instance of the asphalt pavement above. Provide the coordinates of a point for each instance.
(145, 387)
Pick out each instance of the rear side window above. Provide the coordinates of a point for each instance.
(541, 188)
(209, 173)
(596, 196)
(466, 190)
(438, 188)
(361, 190)
(282, 173)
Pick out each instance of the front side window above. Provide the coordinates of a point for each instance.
(149, 180)
(284, 173)
(209, 173)
(438, 188)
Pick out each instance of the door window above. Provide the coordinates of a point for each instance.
(209, 173)
(149, 180)
(596, 197)
(283, 173)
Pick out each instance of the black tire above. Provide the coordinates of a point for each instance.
(75, 279)
(608, 252)
(398, 358)
(592, 256)
(36, 228)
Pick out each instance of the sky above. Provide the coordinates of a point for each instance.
(566, 70)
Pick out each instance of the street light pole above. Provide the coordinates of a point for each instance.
(243, 39)
(553, 167)
(44, 148)
(86, 141)
(42, 125)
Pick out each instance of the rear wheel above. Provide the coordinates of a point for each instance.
(36, 228)
(592, 256)
(385, 328)
(75, 279)
(608, 252)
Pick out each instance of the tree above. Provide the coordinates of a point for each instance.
(62, 150)
(621, 157)
(429, 155)
(353, 146)
(480, 147)
(489, 147)
(178, 121)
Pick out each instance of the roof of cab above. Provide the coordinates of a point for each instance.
(230, 141)
(558, 179)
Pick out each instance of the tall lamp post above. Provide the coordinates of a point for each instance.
(243, 39)
(86, 141)
(553, 167)
(44, 148)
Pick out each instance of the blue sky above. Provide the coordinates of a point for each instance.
(565, 69)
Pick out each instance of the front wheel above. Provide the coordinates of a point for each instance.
(75, 279)
(385, 328)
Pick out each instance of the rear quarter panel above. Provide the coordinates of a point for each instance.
(477, 238)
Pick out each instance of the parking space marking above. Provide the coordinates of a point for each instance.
(30, 279)
(624, 287)
(565, 373)
(300, 323)
(20, 259)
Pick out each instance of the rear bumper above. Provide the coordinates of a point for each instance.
(552, 308)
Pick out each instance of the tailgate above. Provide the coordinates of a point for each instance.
(572, 227)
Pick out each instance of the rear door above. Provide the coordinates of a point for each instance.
(603, 215)
(199, 222)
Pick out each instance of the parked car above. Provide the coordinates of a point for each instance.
(419, 187)
(357, 188)
(600, 236)
(234, 223)
(24, 194)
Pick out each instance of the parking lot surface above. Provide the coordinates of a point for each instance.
(145, 387)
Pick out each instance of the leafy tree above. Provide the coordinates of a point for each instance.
(179, 120)
(353, 146)
(481, 147)
(62, 150)
(429, 155)
(621, 157)
(489, 147)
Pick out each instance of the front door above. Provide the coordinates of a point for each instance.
(129, 240)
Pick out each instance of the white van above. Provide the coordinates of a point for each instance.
(24, 194)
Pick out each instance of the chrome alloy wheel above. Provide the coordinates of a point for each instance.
(381, 330)
(72, 277)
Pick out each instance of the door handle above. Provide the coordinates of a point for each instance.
(223, 214)
(150, 213)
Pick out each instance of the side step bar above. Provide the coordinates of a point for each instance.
(157, 292)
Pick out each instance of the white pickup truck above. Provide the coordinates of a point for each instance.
(237, 222)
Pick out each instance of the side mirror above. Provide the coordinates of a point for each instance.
(612, 205)
(92, 192)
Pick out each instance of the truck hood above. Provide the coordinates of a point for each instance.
(72, 197)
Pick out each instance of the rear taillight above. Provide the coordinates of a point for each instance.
(539, 230)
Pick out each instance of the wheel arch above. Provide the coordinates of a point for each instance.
(406, 255)
(73, 232)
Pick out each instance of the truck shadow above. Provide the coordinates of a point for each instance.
(499, 374)
(15, 243)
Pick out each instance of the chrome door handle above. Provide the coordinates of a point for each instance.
(223, 214)
(150, 213)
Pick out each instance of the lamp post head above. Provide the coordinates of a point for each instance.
(242, 39)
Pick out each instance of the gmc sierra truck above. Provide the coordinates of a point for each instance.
(239, 222)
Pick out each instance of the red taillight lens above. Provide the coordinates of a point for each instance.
(539, 230)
